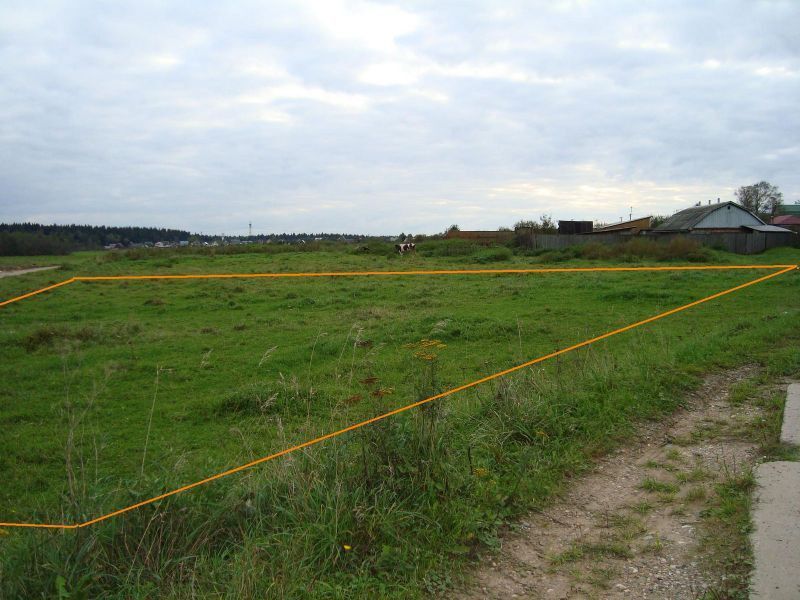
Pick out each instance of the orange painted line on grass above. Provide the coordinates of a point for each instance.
(402, 409)
(425, 272)
(29, 294)
(40, 525)
(90, 278)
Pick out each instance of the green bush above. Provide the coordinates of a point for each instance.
(496, 254)
(377, 248)
(171, 253)
(448, 248)
(678, 248)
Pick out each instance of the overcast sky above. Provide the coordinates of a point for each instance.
(379, 118)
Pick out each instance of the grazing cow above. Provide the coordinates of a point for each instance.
(405, 247)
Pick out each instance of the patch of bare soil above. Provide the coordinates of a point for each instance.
(16, 272)
(630, 528)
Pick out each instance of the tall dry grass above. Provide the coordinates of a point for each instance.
(386, 511)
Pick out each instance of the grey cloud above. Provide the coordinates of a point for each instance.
(378, 118)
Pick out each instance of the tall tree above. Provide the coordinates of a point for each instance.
(545, 224)
(762, 198)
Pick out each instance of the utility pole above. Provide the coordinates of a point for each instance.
(630, 216)
(250, 233)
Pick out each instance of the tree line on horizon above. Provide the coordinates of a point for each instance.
(29, 239)
(34, 239)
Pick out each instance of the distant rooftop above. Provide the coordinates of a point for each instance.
(686, 219)
(640, 223)
(786, 220)
(789, 209)
(768, 228)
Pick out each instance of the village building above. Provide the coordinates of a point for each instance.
(788, 216)
(575, 227)
(788, 221)
(712, 218)
(632, 227)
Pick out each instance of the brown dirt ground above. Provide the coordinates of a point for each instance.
(15, 272)
(607, 537)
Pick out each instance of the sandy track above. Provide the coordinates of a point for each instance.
(607, 537)
(16, 272)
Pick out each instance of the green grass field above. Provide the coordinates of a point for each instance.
(113, 392)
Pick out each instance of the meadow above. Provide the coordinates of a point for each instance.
(113, 392)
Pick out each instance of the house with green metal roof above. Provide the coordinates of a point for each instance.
(789, 209)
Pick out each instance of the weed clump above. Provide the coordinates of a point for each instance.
(637, 248)
(51, 335)
(497, 254)
(448, 248)
(654, 485)
(253, 399)
(376, 248)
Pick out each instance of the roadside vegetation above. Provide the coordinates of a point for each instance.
(115, 392)
(727, 522)
(635, 249)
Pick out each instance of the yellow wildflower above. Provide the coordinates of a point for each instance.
(425, 344)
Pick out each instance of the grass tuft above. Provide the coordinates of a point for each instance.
(650, 484)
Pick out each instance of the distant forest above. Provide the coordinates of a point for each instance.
(29, 239)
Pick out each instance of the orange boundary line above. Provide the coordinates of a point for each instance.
(387, 273)
(29, 294)
(425, 272)
(396, 411)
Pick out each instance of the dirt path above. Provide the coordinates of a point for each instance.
(629, 529)
(24, 271)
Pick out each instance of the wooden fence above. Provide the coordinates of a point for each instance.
(481, 237)
(751, 242)
(740, 243)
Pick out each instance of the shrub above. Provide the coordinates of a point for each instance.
(176, 252)
(595, 251)
(448, 248)
(678, 248)
(496, 254)
(374, 247)
(683, 247)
